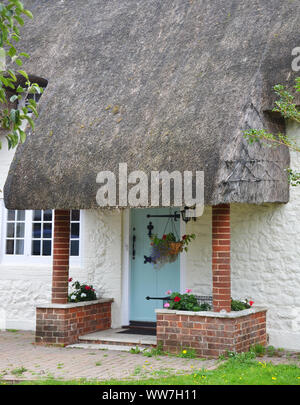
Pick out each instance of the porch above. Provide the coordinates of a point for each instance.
(209, 333)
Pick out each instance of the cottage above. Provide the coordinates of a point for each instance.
(160, 86)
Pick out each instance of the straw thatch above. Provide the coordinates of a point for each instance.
(160, 85)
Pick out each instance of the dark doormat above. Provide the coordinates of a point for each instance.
(139, 331)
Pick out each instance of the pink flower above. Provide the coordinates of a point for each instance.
(188, 290)
(169, 292)
(70, 279)
(166, 305)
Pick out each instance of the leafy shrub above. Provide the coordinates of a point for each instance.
(186, 302)
(237, 305)
(81, 292)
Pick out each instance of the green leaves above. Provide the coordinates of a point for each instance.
(186, 302)
(12, 15)
(293, 177)
(268, 139)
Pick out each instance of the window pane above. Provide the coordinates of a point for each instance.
(20, 215)
(48, 215)
(47, 231)
(20, 229)
(36, 230)
(11, 215)
(19, 247)
(37, 215)
(46, 247)
(9, 247)
(75, 215)
(74, 231)
(10, 232)
(36, 248)
(74, 251)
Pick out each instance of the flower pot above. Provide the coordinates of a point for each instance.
(175, 248)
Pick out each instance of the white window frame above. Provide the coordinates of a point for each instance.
(27, 258)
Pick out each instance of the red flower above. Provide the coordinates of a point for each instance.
(184, 237)
(251, 303)
(164, 237)
(87, 287)
(177, 299)
(70, 279)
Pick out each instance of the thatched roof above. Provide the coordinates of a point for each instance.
(159, 85)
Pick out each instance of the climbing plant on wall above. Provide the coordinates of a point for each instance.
(288, 109)
(12, 15)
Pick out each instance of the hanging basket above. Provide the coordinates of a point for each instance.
(175, 248)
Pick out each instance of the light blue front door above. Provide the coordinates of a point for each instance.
(145, 280)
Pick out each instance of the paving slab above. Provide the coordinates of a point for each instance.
(22, 359)
(114, 335)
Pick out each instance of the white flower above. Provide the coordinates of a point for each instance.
(83, 295)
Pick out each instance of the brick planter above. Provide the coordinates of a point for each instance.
(211, 334)
(64, 323)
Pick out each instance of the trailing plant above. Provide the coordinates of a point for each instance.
(167, 248)
(288, 109)
(11, 118)
(81, 292)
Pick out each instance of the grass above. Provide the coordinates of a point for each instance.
(238, 370)
(18, 371)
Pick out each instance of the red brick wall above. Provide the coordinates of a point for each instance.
(221, 257)
(61, 251)
(65, 325)
(210, 336)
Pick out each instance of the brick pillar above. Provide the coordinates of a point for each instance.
(61, 253)
(221, 257)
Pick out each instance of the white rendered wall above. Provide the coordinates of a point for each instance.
(265, 259)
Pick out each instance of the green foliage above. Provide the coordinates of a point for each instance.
(82, 292)
(237, 305)
(294, 177)
(288, 109)
(135, 350)
(186, 302)
(18, 371)
(169, 237)
(187, 354)
(239, 357)
(167, 248)
(154, 351)
(11, 19)
(258, 349)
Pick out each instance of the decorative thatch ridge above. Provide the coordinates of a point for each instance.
(159, 85)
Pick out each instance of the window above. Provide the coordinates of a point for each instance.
(15, 232)
(41, 244)
(30, 233)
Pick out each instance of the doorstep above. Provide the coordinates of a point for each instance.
(111, 339)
